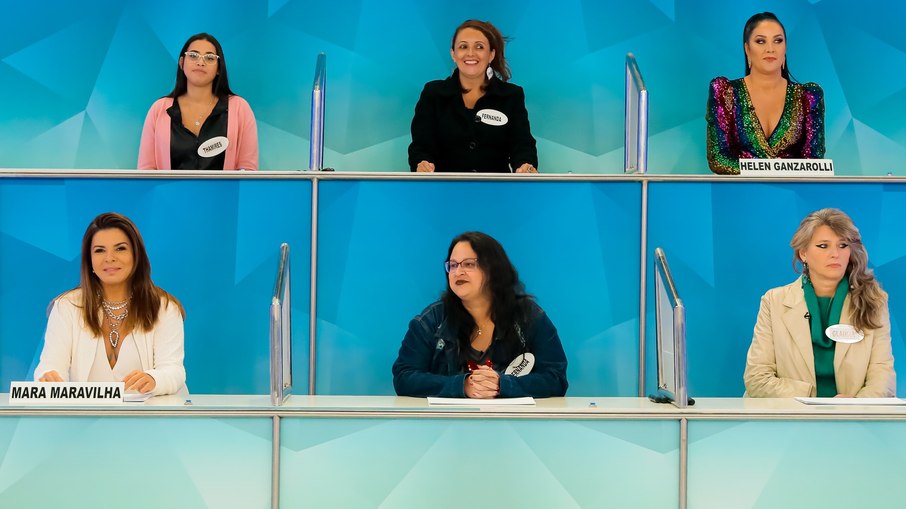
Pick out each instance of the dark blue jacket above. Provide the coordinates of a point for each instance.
(428, 363)
(451, 136)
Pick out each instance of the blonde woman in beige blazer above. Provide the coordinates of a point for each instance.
(782, 358)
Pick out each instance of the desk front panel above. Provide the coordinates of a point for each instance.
(137, 462)
(772, 464)
(463, 462)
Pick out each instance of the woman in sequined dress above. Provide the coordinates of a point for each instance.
(766, 114)
(117, 325)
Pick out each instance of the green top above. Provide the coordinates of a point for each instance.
(824, 354)
(824, 312)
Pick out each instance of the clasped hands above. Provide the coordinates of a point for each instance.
(135, 381)
(482, 382)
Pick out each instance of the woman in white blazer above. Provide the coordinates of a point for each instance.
(827, 334)
(117, 325)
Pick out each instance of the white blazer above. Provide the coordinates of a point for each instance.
(70, 347)
(781, 362)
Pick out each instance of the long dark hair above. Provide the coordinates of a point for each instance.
(508, 297)
(497, 42)
(220, 87)
(145, 302)
(753, 22)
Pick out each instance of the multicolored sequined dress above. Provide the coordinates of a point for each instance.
(734, 131)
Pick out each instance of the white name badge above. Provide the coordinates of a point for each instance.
(844, 333)
(521, 365)
(786, 167)
(492, 117)
(66, 393)
(214, 146)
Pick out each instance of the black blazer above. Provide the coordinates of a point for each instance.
(455, 138)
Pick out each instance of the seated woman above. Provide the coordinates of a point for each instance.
(485, 338)
(117, 325)
(827, 333)
(474, 120)
(201, 124)
(765, 114)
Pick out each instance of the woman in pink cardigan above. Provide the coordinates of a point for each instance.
(201, 124)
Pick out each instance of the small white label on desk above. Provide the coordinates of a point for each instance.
(786, 167)
(66, 393)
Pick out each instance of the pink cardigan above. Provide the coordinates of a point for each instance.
(242, 131)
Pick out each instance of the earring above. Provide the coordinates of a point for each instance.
(490, 72)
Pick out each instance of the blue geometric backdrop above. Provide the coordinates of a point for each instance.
(76, 78)
(214, 245)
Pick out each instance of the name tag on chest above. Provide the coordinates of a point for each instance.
(491, 117)
(213, 147)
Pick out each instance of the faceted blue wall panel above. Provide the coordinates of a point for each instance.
(76, 78)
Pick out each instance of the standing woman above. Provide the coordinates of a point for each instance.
(473, 121)
(764, 115)
(201, 124)
(117, 325)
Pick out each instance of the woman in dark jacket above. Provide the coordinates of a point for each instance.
(473, 121)
(485, 338)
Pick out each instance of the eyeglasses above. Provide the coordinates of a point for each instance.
(209, 58)
(468, 265)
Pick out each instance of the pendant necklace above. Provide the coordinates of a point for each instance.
(115, 319)
(198, 119)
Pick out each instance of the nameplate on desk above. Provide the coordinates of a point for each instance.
(786, 167)
(66, 393)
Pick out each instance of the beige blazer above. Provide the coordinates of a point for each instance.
(781, 362)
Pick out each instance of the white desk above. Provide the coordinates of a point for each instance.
(346, 451)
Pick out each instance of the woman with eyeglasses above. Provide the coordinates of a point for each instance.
(485, 338)
(201, 124)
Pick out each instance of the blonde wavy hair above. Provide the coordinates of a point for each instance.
(868, 299)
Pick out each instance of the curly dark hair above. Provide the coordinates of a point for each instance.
(508, 298)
